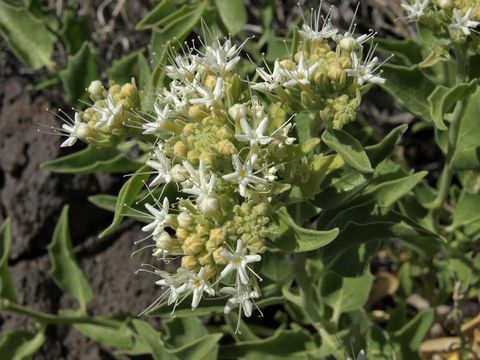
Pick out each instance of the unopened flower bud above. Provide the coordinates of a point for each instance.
(128, 90)
(237, 112)
(445, 4)
(225, 147)
(96, 88)
(218, 256)
(184, 219)
(209, 205)
(192, 245)
(190, 262)
(210, 82)
(179, 173)
(180, 149)
(182, 233)
(163, 240)
(114, 89)
(348, 43)
(197, 112)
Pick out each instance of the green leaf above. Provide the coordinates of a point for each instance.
(467, 210)
(81, 70)
(75, 30)
(131, 65)
(443, 99)
(381, 151)
(233, 14)
(7, 289)
(410, 87)
(65, 270)
(344, 294)
(203, 348)
(92, 160)
(411, 335)
(467, 150)
(282, 344)
(20, 345)
(27, 36)
(303, 123)
(127, 195)
(407, 51)
(152, 338)
(388, 192)
(183, 331)
(175, 32)
(348, 148)
(154, 18)
(288, 236)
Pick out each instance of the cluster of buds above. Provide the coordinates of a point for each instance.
(456, 17)
(326, 75)
(110, 115)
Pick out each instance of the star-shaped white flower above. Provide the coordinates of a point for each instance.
(221, 58)
(162, 115)
(244, 174)
(109, 112)
(201, 183)
(365, 72)
(72, 130)
(314, 31)
(238, 261)
(161, 218)
(197, 285)
(415, 10)
(240, 296)
(464, 23)
(254, 135)
(208, 98)
(182, 67)
(271, 81)
(163, 166)
(301, 75)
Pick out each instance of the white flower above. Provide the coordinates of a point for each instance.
(72, 129)
(348, 42)
(182, 67)
(240, 296)
(284, 138)
(237, 111)
(415, 10)
(256, 135)
(162, 242)
(244, 174)
(208, 98)
(221, 58)
(463, 23)
(365, 72)
(162, 165)
(202, 185)
(313, 31)
(172, 282)
(109, 112)
(161, 116)
(198, 285)
(272, 80)
(302, 73)
(238, 261)
(161, 218)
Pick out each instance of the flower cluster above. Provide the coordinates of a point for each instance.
(228, 146)
(457, 17)
(108, 117)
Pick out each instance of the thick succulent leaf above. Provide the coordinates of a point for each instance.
(381, 151)
(409, 337)
(348, 148)
(443, 99)
(410, 87)
(344, 294)
(132, 65)
(20, 345)
(282, 343)
(158, 16)
(27, 36)
(92, 159)
(467, 151)
(202, 348)
(7, 290)
(407, 51)
(153, 340)
(127, 195)
(81, 70)
(233, 14)
(288, 236)
(65, 270)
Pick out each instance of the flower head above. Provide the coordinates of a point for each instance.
(244, 174)
(239, 261)
(161, 218)
(197, 285)
(72, 130)
(415, 10)
(162, 166)
(255, 136)
(464, 23)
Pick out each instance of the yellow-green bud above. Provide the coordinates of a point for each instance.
(184, 219)
(114, 89)
(204, 258)
(225, 147)
(96, 88)
(192, 245)
(218, 257)
(190, 262)
(348, 43)
(180, 149)
(445, 4)
(197, 112)
(217, 236)
(182, 233)
(128, 90)
(179, 173)
(237, 112)
(210, 82)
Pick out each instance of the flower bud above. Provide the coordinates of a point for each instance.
(225, 147)
(179, 173)
(348, 43)
(445, 4)
(210, 81)
(209, 205)
(128, 90)
(180, 149)
(237, 112)
(197, 112)
(182, 233)
(184, 219)
(190, 262)
(192, 245)
(114, 89)
(163, 240)
(96, 89)
(218, 256)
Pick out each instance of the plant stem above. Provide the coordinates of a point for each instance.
(47, 319)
